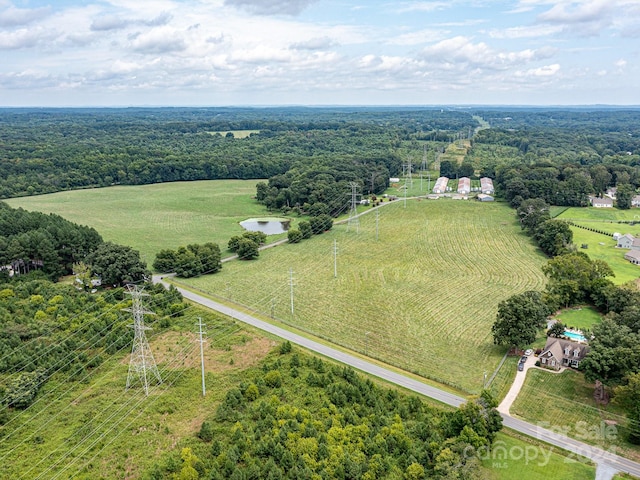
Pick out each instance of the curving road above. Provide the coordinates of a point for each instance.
(606, 461)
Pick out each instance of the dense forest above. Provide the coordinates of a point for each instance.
(45, 151)
(301, 417)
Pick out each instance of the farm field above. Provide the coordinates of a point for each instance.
(423, 297)
(152, 217)
(566, 401)
(605, 219)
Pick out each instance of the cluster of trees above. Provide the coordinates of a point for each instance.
(306, 229)
(46, 151)
(247, 245)
(301, 417)
(49, 329)
(49, 243)
(35, 243)
(553, 236)
(190, 261)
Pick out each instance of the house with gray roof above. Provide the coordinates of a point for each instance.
(633, 256)
(560, 353)
(625, 241)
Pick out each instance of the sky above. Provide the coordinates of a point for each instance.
(319, 52)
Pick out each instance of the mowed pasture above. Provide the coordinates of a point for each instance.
(152, 217)
(423, 296)
(603, 247)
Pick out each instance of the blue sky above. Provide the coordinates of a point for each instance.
(319, 52)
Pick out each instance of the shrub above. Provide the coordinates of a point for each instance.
(294, 236)
(273, 379)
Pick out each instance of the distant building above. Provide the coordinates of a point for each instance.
(441, 185)
(464, 185)
(394, 180)
(611, 192)
(484, 197)
(601, 202)
(486, 186)
(635, 201)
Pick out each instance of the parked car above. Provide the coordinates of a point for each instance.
(520, 366)
(528, 352)
(523, 359)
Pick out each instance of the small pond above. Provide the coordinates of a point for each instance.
(270, 226)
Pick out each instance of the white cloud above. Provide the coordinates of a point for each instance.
(529, 31)
(423, 6)
(545, 71)
(316, 43)
(418, 37)
(271, 7)
(159, 40)
(12, 16)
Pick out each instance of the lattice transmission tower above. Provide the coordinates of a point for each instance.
(353, 212)
(142, 364)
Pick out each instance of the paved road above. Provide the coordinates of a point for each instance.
(606, 460)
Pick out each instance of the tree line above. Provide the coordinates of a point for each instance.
(46, 151)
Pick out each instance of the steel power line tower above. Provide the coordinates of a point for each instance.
(353, 213)
(142, 364)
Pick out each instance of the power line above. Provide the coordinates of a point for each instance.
(141, 356)
(353, 213)
(200, 332)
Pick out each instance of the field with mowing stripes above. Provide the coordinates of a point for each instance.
(422, 297)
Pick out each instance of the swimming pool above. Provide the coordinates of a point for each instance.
(574, 336)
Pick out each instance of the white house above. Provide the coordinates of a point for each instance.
(625, 241)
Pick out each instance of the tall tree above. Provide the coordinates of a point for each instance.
(533, 212)
(519, 319)
(629, 397)
(117, 264)
(624, 194)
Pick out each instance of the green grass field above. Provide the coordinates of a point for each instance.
(423, 297)
(152, 217)
(513, 458)
(602, 247)
(582, 318)
(564, 402)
